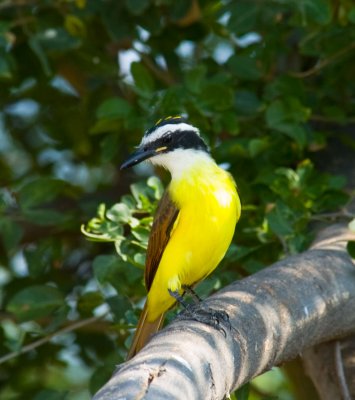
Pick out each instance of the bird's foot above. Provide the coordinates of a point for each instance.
(188, 289)
(196, 312)
(178, 297)
(208, 316)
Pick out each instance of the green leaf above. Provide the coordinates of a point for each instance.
(195, 77)
(332, 200)
(137, 7)
(5, 27)
(6, 67)
(11, 233)
(35, 302)
(109, 147)
(142, 194)
(284, 86)
(216, 96)
(46, 217)
(102, 230)
(172, 100)
(286, 116)
(119, 213)
(179, 9)
(40, 191)
(246, 102)
(336, 182)
(118, 305)
(39, 258)
(156, 185)
(74, 25)
(279, 220)
(229, 122)
(253, 266)
(56, 39)
(106, 268)
(289, 109)
(257, 146)
(113, 108)
(103, 373)
(237, 252)
(243, 392)
(243, 17)
(141, 233)
(142, 78)
(351, 248)
(244, 67)
(106, 125)
(112, 12)
(351, 15)
(89, 301)
(319, 11)
(37, 49)
(139, 259)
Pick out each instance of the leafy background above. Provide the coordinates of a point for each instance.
(270, 84)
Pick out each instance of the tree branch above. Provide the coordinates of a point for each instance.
(275, 314)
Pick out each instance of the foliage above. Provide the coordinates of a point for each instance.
(269, 84)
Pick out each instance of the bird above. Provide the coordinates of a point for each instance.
(194, 222)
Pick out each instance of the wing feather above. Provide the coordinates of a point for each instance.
(163, 224)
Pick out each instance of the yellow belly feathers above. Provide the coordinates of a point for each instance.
(209, 210)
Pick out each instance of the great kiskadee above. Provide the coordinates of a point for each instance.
(194, 222)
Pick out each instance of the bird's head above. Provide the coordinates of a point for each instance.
(170, 143)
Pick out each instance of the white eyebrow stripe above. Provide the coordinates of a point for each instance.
(161, 131)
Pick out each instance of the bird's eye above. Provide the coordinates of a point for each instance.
(167, 138)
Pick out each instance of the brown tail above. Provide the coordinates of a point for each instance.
(145, 329)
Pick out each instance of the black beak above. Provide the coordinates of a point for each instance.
(137, 157)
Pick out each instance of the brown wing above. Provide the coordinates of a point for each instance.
(163, 224)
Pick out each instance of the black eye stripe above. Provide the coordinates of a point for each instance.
(182, 139)
(167, 137)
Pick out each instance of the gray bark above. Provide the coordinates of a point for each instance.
(275, 315)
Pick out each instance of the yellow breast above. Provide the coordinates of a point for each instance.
(209, 209)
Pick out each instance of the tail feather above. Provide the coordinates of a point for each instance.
(145, 329)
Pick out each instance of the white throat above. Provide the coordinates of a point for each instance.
(181, 161)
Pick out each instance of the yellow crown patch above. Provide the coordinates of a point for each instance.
(170, 117)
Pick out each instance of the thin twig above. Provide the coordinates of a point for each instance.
(333, 215)
(339, 367)
(323, 118)
(322, 63)
(40, 342)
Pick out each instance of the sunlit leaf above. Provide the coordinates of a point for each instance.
(112, 108)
